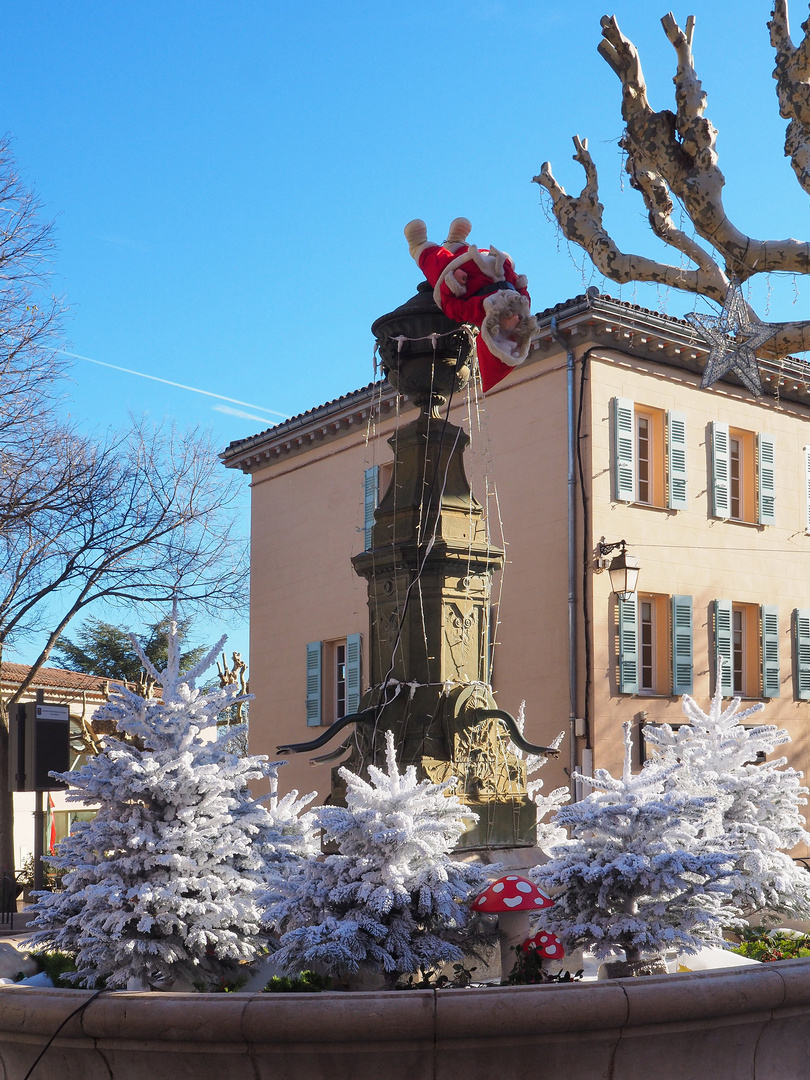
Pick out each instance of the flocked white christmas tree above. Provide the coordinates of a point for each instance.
(756, 810)
(163, 883)
(630, 876)
(549, 832)
(390, 899)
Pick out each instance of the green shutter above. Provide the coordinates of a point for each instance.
(353, 658)
(314, 665)
(766, 488)
(801, 628)
(720, 471)
(723, 646)
(676, 460)
(628, 645)
(370, 496)
(769, 622)
(625, 450)
(681, 644)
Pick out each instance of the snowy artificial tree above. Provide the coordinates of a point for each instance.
(290, 837)
(630, 876)
(391, 899)
(549, 832)
(163, 884)
(756, 811)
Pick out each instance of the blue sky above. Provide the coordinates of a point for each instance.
(230, 179)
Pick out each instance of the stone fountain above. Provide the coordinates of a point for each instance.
(429, 570)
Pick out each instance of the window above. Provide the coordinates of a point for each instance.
(333, 679)
(339, 672)
(655, 644)
(646, 624)
(746, 644)
(649, 455)
(743, 482)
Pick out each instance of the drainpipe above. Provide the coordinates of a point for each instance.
(572, 538)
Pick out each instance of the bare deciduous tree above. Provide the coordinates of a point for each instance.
(143, 515)
(672, 156)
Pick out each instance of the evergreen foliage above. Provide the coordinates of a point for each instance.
(755, 810)
(163, 883)
(391, 898)
(633, 875)
(108, 651)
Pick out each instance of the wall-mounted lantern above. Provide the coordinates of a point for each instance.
(623, 568)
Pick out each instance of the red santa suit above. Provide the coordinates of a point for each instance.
(491, 278)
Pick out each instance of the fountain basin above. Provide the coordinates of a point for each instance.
(752, 1022)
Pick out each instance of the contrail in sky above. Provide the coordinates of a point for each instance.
(180, 386)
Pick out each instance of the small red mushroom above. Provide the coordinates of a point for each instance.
(512, 898)
(548, 945)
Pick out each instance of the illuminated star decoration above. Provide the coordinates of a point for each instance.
(734, 338)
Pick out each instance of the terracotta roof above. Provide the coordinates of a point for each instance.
(56, 679)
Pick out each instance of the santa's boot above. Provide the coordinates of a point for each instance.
(416, 235)
(457, 233)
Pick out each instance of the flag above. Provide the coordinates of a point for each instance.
(51, 826)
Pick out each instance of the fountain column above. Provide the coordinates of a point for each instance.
(429, 570)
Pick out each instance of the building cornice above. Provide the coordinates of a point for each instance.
(323, 424)
(596, 319)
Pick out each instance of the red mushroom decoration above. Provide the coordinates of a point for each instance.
(512, 898)
(548, 945)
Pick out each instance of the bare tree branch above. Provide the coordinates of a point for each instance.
(792, 74)
(146, 515)
(580, 219)
(673, 155)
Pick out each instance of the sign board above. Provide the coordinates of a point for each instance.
(53, 712)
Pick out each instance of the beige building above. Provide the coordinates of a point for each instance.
(605, 427)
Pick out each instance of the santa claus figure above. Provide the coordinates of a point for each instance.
(478, 287)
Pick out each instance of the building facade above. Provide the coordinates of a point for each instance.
(603, 435)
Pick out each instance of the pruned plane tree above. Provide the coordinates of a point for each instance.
(671, 158)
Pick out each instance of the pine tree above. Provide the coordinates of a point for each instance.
(391, 899)
(290, 835)
(631, 875)
(163, 883)
(107, 650)
(756, 810)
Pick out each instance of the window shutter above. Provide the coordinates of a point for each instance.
(314, 664)
(720, 471)
(807, 489)
(766, 491)
(370, 496)
(676, 460)
(625, 450)
(628, 645)
(769, 619)
(801, 625)
(723, 665)
(681, 644)
(353, 658)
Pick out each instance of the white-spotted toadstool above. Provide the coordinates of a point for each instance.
(512, 898)
(548, 945)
